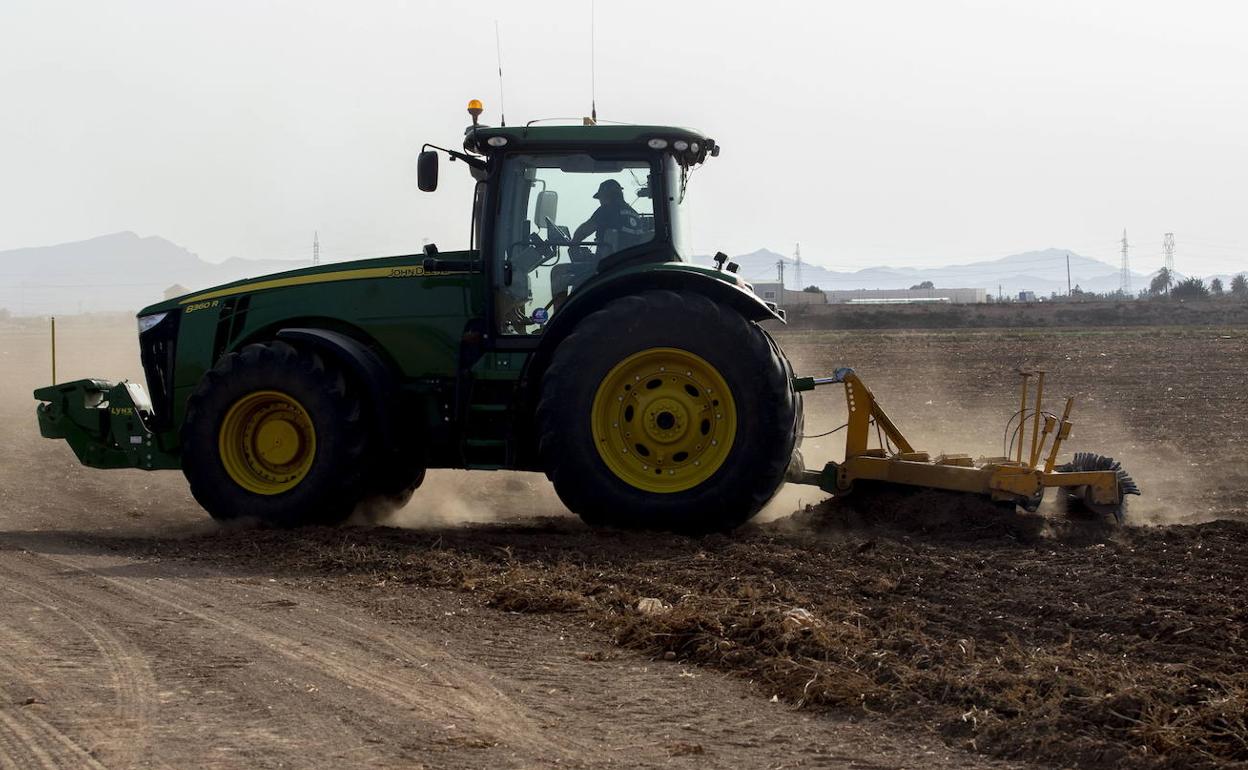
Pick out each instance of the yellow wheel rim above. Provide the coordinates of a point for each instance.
(267, 442)
(664, 420)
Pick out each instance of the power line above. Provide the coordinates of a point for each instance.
(1126, 267)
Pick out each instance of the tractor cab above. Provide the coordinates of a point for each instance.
(556, 206)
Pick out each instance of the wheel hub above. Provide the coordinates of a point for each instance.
(276, 441)
(267, 442)
(664, 420)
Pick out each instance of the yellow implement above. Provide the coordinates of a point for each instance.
(1098, 483)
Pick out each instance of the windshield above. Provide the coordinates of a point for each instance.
(558, 216)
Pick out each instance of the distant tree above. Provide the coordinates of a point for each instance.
(924, 285)
(813, 289)
(1192, 288)
(1215, 287)
(1239, 285)
(5, 314)
(1161, 283)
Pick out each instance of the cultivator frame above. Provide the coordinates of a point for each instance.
(1020, 479)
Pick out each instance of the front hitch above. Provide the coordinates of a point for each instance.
(103, 422)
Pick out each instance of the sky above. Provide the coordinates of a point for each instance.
(899, 132)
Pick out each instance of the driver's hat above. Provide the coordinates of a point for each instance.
(608, 185)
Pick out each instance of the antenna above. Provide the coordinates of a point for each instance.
(593, 75)
(498, 55)
(1167, 248)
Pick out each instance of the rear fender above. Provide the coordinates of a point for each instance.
(671, 276)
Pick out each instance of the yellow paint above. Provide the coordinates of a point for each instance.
(864, 412)
(998, 478)
(407, 271)
(664, 420)
(267, 442)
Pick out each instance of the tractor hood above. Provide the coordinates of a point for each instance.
(381, 267)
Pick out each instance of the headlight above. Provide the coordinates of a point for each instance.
(148, 321)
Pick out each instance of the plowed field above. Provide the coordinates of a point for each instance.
(493, 629)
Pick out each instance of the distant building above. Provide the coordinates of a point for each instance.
(1026, 296)
(901, 296)
(774, 292)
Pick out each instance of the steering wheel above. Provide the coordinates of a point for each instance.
(544, 249)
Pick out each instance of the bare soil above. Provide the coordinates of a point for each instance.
(1158, 311)
(494, 629)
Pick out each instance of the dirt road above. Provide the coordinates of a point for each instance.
(125, 643)
(108, 661)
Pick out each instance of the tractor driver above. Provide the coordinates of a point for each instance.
(615, 225)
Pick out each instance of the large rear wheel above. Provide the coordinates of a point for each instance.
(667, 411)
(273, 433)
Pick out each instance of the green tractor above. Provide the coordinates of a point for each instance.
(573, 337)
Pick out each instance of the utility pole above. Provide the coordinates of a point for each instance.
(780, 270)
(1126, 267)
(797, 266)
(1167, 248)
(1068, 293)
(1000, 296)
(316, 248)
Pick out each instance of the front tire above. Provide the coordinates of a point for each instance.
(667, 411)
(273, 433)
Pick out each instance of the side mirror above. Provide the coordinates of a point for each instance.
(547, 207)
(427, 171)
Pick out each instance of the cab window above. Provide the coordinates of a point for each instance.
(559, 215)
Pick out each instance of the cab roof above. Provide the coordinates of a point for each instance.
(548, 137)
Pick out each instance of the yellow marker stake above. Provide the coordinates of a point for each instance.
(53, 350)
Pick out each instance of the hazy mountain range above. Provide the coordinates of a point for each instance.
(124, 271)
(121, 271)
(1040, 271)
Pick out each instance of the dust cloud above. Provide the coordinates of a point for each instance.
(948, 392)
(954, 393)
(456, 497)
